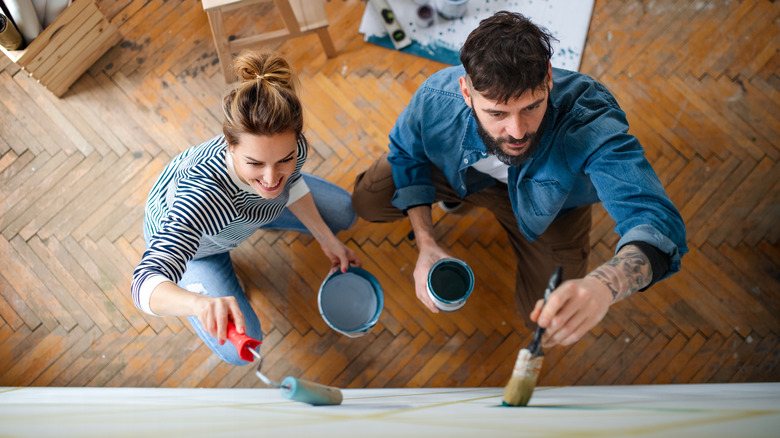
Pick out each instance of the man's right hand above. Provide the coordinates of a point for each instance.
(430, 252)
(425, 261)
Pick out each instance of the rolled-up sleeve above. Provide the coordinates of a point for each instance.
(407, 157)
(630, 190)
(200, 208)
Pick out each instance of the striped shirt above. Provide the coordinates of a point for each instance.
(199, 207)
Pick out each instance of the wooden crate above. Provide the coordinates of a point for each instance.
(68, 47)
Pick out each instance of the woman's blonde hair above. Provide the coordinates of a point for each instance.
(264, 102)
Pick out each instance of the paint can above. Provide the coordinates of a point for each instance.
(452, 9)
(425, 15)
(450, 282)
(351, 302)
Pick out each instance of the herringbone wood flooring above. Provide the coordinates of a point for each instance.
(699, 82)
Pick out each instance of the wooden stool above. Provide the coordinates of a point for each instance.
(301, 17)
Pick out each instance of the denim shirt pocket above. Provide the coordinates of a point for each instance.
(538, 204)
(544, 198)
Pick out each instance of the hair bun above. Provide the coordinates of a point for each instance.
(265, 66)
(265, 100)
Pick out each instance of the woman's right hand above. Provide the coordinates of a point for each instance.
(215, 313)
(168, 299)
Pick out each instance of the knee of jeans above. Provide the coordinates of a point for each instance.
(340, 220)
(352, 220)
(232, 359)
(196, 288)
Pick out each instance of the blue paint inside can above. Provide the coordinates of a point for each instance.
(450, 282)
(351, 302)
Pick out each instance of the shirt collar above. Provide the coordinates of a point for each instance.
(471, 140)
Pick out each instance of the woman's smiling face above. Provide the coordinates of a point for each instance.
(265, 162)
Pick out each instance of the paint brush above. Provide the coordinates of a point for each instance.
(529, 361)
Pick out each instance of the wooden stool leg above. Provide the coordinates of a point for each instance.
(222, 44)
(288, 16)
(327, 42)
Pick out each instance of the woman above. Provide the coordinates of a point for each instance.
(213, 196)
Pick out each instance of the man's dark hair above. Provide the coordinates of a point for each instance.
(506, 55)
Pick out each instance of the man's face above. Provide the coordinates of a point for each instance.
(509, 130)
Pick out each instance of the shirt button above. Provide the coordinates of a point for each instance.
(466, 160)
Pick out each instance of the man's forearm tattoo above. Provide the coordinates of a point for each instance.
(625, 273)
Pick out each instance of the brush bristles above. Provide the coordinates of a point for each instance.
(523, 381)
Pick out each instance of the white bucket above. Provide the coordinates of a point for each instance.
(452, 9)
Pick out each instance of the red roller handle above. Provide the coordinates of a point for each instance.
(242, 342)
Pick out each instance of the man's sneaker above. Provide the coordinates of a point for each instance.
(450, 207)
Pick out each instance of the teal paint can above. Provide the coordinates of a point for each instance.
(351, 302)
(450, 282)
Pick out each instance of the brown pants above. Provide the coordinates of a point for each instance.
(565, 243)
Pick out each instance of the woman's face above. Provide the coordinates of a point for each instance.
(265, 162)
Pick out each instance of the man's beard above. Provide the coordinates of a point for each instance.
(493, 145)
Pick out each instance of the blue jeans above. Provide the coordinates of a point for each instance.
(214, 275)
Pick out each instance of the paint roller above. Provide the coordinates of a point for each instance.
(291, 388)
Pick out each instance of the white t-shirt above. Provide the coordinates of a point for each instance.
(493, 167)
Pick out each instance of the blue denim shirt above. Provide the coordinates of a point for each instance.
(585, 156)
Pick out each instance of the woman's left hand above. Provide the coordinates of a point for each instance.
(341, 257)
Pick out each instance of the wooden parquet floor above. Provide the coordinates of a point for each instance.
(699, 81)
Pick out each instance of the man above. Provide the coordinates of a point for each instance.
(537, 146)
